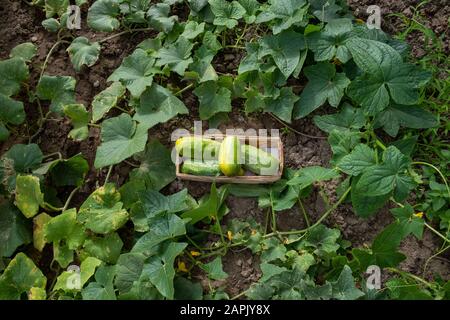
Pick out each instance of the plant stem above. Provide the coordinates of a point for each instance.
(440, 235)
(274, 217)
(49, 206)
(243, 293)
(219, 227)
(293, 130)
(66, 205)
(324, 216)
(405, 274)
(122, 33)
(122, 109)
(437, 170)
(235, 47)
(305, 214)
(377, 141)
(53, 154)
(57, 43)
(432, 257)
(184, 89)
(108, 174)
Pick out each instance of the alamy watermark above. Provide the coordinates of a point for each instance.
(374, 19)
(73, 17)
(73, 281)
(373, 281)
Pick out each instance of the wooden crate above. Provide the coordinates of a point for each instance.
(248, 178)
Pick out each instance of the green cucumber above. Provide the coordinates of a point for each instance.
(201, 168)
(230, 156)
(197, 148)
(259, 161)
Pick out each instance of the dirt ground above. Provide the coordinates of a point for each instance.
(21, 23)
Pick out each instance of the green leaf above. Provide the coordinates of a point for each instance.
(102, 288)
(273, 250)
(284, 13)
(158, 105)
(406, 145)
(79, 116)
(66, 234)
(121, 138)
(11, 112)
(208, 208)
(87, 270)
(342, 142)
(51, 25)
(102, 15)
(324, 85)
(269, 270)
(213, 99)
(193, 29)
(4, 133)
(102, 211)
(360, 159)
(60, 90)
(176, 55)
(82, 52)
(55, 7)
(349, 118)
(13, 72)
(226, 13)
(28, 195)
(39, 222)
(24, 157)
(25, 51)
(326, 10)
(136, 72)
(106, 100)
(197, 5)
(20, 277)
(330, 43)
(251, 7)
(161, 228)
(364, 204)
(323, 239)
(412, 223)
(344, 287)
(159, 268)
(129, 269)
(105, 248)
(15, 230)
(21, 158)
(158, 17)
(396, 116)
(69, 172)
(282, 105)
(402, 289)
(384, 249)
(215, 269)
(157, 168)
(307, 176)
(388, 176)
(284, 49)
(152, 203)
(187, 290)
(385, 76)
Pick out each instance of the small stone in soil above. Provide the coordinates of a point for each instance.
(228, 57)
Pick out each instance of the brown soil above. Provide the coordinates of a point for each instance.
(21, 23)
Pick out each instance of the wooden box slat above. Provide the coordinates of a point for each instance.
(247, 179)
